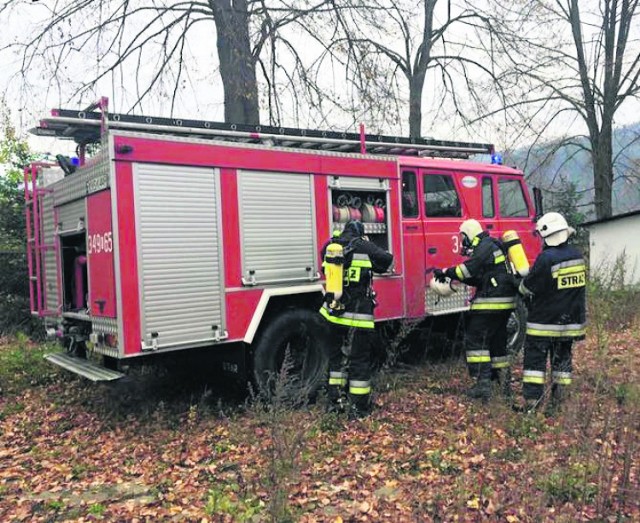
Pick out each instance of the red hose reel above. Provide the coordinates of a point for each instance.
(350, 207)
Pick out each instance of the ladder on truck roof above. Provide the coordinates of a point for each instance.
(87, 127)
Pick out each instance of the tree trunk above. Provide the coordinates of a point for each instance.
(237, 66)
(416, 85)
(602, 157)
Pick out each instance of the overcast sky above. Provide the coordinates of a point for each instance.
(200, 95)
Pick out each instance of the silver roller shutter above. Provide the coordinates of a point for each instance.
(358, 183)
(72, 217)
(277, 227)
(179, 255)
(50, 257)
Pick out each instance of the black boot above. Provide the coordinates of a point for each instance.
(504, 379)
(529, 406)
(336, 399)
(558, 396)
(359, 406)
(480, 390)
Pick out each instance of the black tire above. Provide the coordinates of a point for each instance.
(516, 329)
(301, 333)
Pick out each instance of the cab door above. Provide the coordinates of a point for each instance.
(489, 212)
(442, 215)
(413, 244)
(515, 212)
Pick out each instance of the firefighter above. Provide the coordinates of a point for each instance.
(488, 271)
(555, 294)
(352, 320)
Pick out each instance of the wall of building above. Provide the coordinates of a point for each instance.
(615, 246)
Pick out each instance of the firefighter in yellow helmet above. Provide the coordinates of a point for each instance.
(555, 288)
(349, 313)
(488, 270)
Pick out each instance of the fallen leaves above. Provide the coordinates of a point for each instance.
(426, 455)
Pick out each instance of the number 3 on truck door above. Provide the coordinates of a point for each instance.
(456, 243)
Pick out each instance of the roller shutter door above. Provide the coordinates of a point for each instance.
(179, 255)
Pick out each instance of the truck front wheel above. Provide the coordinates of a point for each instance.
(516, 329)
(290, 357)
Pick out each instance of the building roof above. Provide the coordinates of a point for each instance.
(611, 218)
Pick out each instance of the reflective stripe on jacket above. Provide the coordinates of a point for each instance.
(487, 270)
(556, 284)
(348, 319)
(362, 259)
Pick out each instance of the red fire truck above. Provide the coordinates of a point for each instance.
(182, 234)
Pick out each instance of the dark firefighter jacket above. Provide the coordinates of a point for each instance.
(362, 259)
(556, 285)
(488, 272)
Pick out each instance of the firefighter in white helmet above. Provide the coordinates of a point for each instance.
(555, 288)
(488, 270)
(351, 318)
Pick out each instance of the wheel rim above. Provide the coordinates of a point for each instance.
(513, 330)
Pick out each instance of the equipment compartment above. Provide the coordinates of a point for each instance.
(370, 207)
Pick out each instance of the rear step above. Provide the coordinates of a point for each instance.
(83, 368)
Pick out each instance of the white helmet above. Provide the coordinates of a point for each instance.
(442, 288)
(470, 228)
(554, 229)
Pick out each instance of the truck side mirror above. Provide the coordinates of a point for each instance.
(537, 202)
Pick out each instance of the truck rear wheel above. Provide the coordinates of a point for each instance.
(290, 357)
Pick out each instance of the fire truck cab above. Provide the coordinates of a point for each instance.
(183, 234)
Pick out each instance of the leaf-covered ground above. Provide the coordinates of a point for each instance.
(71, 451)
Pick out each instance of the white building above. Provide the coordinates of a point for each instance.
(614, 245)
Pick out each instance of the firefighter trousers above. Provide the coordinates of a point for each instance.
(350, 350)
(536, 350)
(486, 343)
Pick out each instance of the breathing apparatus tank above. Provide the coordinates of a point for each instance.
(515, 252)
(333, 270)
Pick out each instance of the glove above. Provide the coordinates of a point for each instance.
(440, 275)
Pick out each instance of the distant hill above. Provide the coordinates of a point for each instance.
(555, 169)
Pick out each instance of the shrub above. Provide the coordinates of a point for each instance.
(570, 484)
(22, 365)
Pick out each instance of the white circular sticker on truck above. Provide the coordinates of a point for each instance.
(469, 181)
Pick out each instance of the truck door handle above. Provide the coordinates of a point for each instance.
(411, 227)
(490, 226)
(433, 250)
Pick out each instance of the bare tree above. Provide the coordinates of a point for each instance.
(571, 66)
(390, 47)
(145, 44)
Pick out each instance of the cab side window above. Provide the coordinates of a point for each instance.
(512, 200)
(488, 207)
(440, 196)
(409, 195)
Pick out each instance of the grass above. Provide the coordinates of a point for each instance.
(22, 365)
(570, 484)
(427, 453)
(225, 499)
